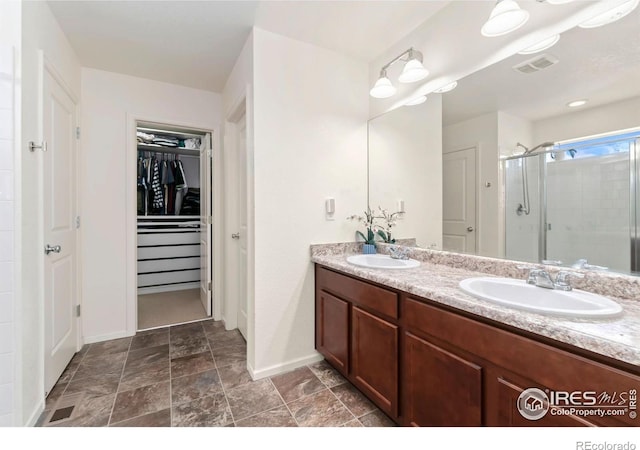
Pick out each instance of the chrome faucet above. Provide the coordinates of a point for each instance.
(582, 264)
(541, 278)
(562, 280)
(398, 252)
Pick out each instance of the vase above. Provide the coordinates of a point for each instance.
(369, 249)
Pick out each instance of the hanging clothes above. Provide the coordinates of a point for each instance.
(181, 186)
(158, 200)
(142, 190)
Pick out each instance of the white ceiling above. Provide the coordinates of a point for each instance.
(196, 43)
(601, 64)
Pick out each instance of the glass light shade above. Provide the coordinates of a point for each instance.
(383, 88)
(506, 17)
(413, 71)
(416, 101)
(610, 16)
(446, 88)
(542, 45)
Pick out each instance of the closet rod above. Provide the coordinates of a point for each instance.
(171, 150)
(170, 132)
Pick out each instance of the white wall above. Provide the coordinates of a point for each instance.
(405, 163)
(588, 122)
(109, 101)
(311, 108)
(482, 132)
(9, 166)
(40, 31)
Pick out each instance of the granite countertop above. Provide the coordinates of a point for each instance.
(617, 338)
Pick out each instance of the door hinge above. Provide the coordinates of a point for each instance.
(77, 222)
(77, 310)
(209, 220)
(209, 285)
(210, 153)
(77, 132)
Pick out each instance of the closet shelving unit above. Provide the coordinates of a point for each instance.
(169, 245)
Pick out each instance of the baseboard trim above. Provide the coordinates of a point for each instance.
(106, 337)
(35, 415)
(284, 367)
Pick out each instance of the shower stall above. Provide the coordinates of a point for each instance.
(575, 201)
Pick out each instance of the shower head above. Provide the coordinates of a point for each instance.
(545, 146)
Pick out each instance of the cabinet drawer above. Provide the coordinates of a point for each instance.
(150, 239)
(361, 293)
(548, 366)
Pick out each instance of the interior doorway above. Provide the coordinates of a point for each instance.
(236, 221)
(459, 227)
(174, 245)
(60, 224)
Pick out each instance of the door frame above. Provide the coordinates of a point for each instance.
(132, 120)
(45, 66)
(243, 105)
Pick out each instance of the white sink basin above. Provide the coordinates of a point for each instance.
(518, 294)
(382, 262)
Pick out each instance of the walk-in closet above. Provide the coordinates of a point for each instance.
(173, 225)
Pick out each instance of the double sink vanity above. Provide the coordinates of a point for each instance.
(444, 339)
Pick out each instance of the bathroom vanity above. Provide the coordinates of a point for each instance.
(428, 354)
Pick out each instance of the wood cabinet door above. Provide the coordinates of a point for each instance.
(332, 330)
(503, 390)
(440, 387)
(374, 359)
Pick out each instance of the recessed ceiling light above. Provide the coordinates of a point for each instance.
(416, 101)
(611, 15)
(542, 45)
(576, 103)
(446, 88)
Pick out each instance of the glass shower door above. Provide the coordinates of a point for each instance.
(588, 210)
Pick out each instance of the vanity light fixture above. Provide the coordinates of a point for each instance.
(611, 15)
(542, 45)
(383, 87)
(446, 88)
(576, 103)
(416, 101)
(505, 17)
(413, 71)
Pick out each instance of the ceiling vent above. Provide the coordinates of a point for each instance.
(536, 64)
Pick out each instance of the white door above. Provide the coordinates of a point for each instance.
(242, 221)
(459, 201)
(205, 223)
(59, 211)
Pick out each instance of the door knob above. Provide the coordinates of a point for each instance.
(235, 236)
(469, 229)
(49, 249)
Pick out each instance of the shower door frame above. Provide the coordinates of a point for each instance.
(634, 204)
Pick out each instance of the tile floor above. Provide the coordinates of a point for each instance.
(195, 375)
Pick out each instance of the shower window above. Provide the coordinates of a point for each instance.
(582, 203)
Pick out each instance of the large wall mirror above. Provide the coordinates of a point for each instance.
(502, 166)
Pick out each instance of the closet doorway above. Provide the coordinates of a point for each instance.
(173, 176)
